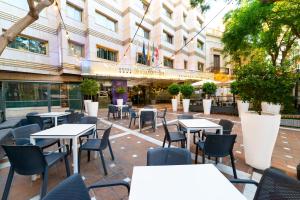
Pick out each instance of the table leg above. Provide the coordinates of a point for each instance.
(75, 155)
(55, 121)
(188, 143)
(121, 111)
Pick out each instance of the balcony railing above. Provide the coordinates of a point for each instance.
(113, 70)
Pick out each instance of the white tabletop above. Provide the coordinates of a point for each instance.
(53, 114)
(198, 123)
(121, 105)
(181, 182)
(148, 109)
(64, 130)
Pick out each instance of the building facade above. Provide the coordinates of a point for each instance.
(50, 58)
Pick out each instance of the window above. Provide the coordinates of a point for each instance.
(200, 66)
(143, 32)
(185, 64)
(140, 59)
(142, 4)
(200, 44)
(107, 54)
(184, 40)
(168, 62)
(74, 12)
(29, 44)
(217, 62)
(106, 22)
(199, 22)
(184, 17)
(167, 37)
(76, 49)
(167, 12)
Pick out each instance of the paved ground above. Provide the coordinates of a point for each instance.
(130, 147)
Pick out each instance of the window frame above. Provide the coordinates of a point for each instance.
(202, 44)
(167, 12)
(202, 66)
(74, 7)
(108, 50)
(115, 22)
(168, 36)
(77, 44)
(145, 30)
(169, 60)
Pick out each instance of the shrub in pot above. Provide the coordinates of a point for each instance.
(243, 105)
(90, 87)
(258, 82)
(120, 91)
(208, 89)
(174, 90)
(186, 91)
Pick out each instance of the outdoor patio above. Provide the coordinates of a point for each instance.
(130, 149)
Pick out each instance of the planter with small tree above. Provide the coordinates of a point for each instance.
(208, 89)
(186, 91)
(243, 106)
(258, 82)
(120, 91)
(90, 87)
(174, 90)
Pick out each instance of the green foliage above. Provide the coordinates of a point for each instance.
(120, 90)
(201, 3)
(209, 88)
(174, 89)
(233, 88)
(89, 87)
(186, 90)
(261, 81)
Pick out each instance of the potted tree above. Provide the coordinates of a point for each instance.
(258, 82)
(120, 91)
(208, 89)
(243, 105)
(186, 91)
(90, 87)
(174, 90)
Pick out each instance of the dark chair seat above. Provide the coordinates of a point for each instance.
(200, 144)
(53, 157)
(91, 144)
(44, 143)
(177, 136)
(168, 156)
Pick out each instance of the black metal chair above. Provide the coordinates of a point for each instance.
(217, 146)
(183, 129)
(133, 115)
(162, 115)
(112, 110)
(125, 110)
(47, 122)
(73, 188)
(29, 160)
(147, 116)
(22, 136)
(35, 119)
(274, 185)
(96, 145)
(177, 136)
(168, 156)
(227, 128)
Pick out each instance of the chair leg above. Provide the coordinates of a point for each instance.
(58, 145)
(164, 142)
(79, 156)
(71, 145)
(216, 160)
(233, 165)
(134, 121)
(110, 150)
(45, 183)
(108, 116)
(103, 162)
(203, 157)
(130, 122)
(169, 145)
(89, 155)
(67, 166)
(196, 156)
(8, 183)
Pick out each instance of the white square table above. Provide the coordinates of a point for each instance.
(196, 124)
(65, 131)
(148, 109)
(54, 115)
(181, 182)
(121, 108)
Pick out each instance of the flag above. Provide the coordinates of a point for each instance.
(148, 55)
(144, 53)
(152, 58)
(156, 56)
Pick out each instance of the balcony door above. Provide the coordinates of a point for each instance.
(217, 63)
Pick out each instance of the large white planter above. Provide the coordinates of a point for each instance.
(186, 105)
(86, 105)
(93, 108)
(119, 102)
(270, 108)
(174, 105)
(259, 137)
(206, 106)
(242, 107)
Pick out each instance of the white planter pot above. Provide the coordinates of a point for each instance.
(242, 107)
(174, 105)
(186, 105)
(119, 102)
(86, 105)
(206, 106)
(270, 108)
(93, 109)
(259, 137)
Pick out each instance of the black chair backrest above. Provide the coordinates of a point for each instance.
(112, 108)
(71, 188)
(227, 126)
(185, 116)
(26, 160)
(32, 119)
(105, 138)
(276, 185)
(125, 109)
(32, 114)
(24, 132)
(88, 120)
(70, 110)
(132, 113)
(168, 156)
(167, 133)
(219, 145)
(147, 115)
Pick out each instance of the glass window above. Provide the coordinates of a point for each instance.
(107, 54)
(167, 12)
(29, 44)
(199, 22)
(141, 60)
(76, 49)
(200, 44)
(185, 64)
(167, 37)
(200, 66)
(74, 12)
(143, 32)
(106, 22)
(168, 62)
